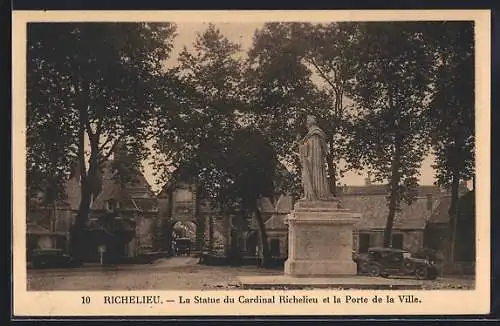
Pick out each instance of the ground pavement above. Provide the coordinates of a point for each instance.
(177, 273)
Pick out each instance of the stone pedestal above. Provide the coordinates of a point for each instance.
(320, 236)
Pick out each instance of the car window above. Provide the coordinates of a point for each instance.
(396, 257)
(385, 254)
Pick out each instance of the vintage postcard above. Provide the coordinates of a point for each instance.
(207, 163)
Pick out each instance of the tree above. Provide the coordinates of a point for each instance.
(48, 163)
(99, 80)
(279, 93)
(296, 69)
(390, 89)
(252, 166)
(451, 112)
(199, 142)
(328, 52)
(465, 238)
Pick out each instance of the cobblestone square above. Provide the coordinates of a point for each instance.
(179, 273)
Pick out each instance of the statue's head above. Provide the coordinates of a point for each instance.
(311, 121)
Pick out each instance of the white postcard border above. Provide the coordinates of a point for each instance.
(68, 303)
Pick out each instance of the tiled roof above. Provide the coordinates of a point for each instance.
(284, 204)
(374, 212)
(382, 189)
(178, 177)
(276, 222)
(441, 214)
(110, 189)
(146, 204)
(265, 205)
(133, 195)
(362, 190)
(113, 227)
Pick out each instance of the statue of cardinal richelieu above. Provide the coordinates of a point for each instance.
(313, 151)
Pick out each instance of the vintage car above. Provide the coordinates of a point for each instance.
(389, 261)
(182, 246)
(51, 258)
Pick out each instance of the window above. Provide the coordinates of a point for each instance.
(275, 248)
(364, 242)
(397, 241)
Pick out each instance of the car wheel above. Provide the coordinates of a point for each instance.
(374, 270)
(407, 268)
(363, 267)
(422, 273)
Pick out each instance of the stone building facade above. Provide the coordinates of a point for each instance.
(409, 221)
(423, 224)
(123, 215)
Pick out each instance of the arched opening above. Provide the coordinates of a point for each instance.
(183, 237)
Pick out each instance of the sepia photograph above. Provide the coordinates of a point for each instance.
(246, 155)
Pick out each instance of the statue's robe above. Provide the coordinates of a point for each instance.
(313, 151)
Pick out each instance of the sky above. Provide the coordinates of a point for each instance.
(242, 33)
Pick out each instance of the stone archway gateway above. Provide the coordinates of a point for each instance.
(183, 237)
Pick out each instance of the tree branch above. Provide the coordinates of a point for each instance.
(81, 150)
(106, 142)
(322, 73)
(111, 150)
(100, 125)
(151, 136)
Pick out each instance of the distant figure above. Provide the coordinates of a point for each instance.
(313, 151)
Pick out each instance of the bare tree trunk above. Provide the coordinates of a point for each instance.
(200, 222)
(54, 217)
(266, 253)
(166, 230)
(53, 223)
(168, 224)
(77, 229)
(211, 233)
(332, 171)
(227, 233)
(453, 213)
(394, 193)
